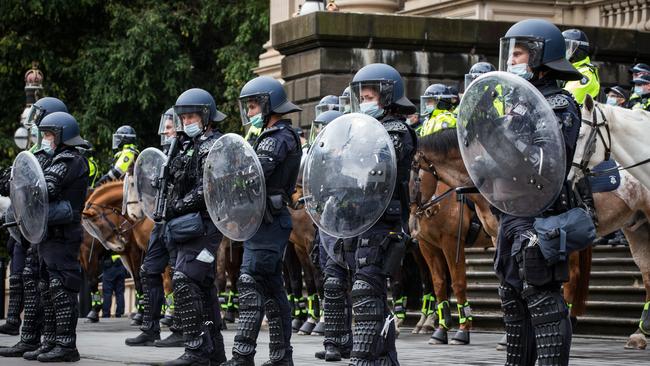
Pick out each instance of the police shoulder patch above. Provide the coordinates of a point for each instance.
(395, 126)
(558, 101)
(268, 144)
(126, 159)
(584, 80)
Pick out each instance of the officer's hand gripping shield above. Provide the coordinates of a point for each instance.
(234, 187)
(511, 143)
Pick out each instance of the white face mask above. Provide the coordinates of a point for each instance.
(638, 90)
(520, 70)
(192, 130)
(372, 109)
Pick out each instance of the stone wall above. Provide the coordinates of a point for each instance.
(322, 51)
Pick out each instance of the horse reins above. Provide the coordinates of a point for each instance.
(124, 226)
(422, 208)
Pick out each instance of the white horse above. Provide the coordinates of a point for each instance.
(625, 139)
(624, 131)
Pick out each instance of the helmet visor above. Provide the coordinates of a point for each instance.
(167, 128)
(380, 91)
(344, 104)
(118, 139)
(316, 128)
(468, 80)
(202, 110)
(572, 45)
(517, 50)
(427, 104)
(34, 116)
(325, 107)
(252, 105)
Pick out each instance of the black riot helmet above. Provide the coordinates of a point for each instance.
(477, 70)
(327, 103)
(123, 136)
(639, 69)
(386, 83)
(577, 45)
(543, 44)
(436, 96)
(197, 101)
(321, 121)
(42, 108)
(64, 127)
(167, 128)
(267, 94)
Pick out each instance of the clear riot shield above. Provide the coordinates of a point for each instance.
(147, 172)
(125, 194)
(28, 192)
(511, 143)
(234, 187)
(349, 175)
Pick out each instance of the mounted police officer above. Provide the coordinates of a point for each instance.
(637, 71)
(261, 289)
(344, 101)
(124, 142)
(66, 175)
(477, 70)
(24, 277)
(378, 91)
(188, 227)
(436, 105)
(578, 51)
(159, 254)
(535, 314)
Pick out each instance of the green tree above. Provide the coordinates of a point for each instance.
(125, 62)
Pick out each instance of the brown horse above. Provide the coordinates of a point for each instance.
(440, 158)
(436, 229)
(103, 218)
(626, 208)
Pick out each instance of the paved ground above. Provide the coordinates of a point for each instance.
(103, 344)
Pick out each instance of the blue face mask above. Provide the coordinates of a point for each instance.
(257, 121)
(520, 70)
(192, 130)
(638, 90)
(47, 147)
(372, 109)
(612, 101)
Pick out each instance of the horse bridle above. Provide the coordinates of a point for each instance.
(125, 225)
(425, 207)
(594, 134)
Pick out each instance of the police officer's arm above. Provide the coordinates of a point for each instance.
(121, 166)
(193, 201)
(54, 176)
(271, 151)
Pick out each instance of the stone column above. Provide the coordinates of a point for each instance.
(271, 60)
(369, 6)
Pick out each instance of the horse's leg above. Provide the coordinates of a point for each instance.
(576, 289)
(399, 297)
(90, 253)
(458, 275)
(439, 277)
(639, 241)
(293, 279)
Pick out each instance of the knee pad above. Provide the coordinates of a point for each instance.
(277, 345)
(550, 319)
(512, 305)
(334, 288)
(251, 304)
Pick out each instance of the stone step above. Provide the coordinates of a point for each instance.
(596, 293)
(599, 251)
(614, 278)
(611, 264)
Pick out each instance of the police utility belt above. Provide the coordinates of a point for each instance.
(186, 227)
(274, 205)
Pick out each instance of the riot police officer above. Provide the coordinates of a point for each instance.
(477, 70)
(378, 91)
(535, 315)
(436, 105)
(124, 142)
(261, 290)
(188, 227)
(637, 71)
(578, 51)
(24, 275)
(159, 253)
(66, 175)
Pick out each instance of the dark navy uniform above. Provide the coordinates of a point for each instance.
(261, 284)
(369, 292)
(196, 299)
(535, 315)
(113, 277)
